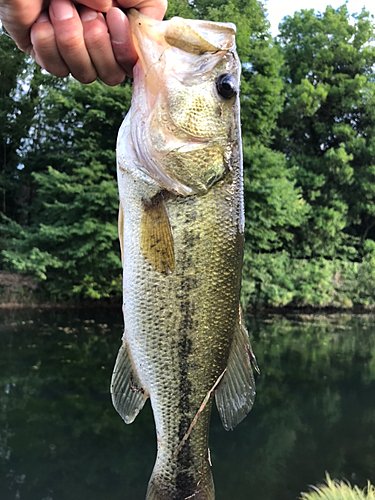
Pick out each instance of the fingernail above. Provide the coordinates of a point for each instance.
(43, 17)
(88, 15)
(62, 10)
(118, 35)
(117, 26)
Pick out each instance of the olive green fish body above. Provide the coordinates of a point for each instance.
(181, 232)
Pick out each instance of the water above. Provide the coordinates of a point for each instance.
(60, 438)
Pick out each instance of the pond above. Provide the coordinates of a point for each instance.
(61, 439)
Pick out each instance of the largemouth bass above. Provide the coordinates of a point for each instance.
(181, 228)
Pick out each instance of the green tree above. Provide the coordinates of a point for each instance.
(273, 204)
(16, 111)
(71, 242)
(326, 128)
(68, 233)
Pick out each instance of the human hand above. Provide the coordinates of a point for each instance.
(119, 29)
(64, 37)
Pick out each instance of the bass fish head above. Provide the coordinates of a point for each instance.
(185, 107)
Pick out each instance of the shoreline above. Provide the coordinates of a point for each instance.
(255, 311)
(61, 305)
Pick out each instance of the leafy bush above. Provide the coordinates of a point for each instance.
(278, 280)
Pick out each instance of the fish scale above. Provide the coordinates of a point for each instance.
(192, 355)
(182, 257)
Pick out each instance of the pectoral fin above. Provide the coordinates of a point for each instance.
(236, 392)
(128, 397)
(156, 235)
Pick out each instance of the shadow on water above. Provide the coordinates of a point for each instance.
(61, 439)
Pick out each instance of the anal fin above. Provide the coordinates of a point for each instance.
(128, 397)
(236, 392)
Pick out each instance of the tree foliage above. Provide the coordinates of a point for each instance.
(16, 111)
(326, 128)
(69, 163)
(308, 125)
(272, 202)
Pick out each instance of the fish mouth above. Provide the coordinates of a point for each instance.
(178, 63)
(191, 37)
(147, 37)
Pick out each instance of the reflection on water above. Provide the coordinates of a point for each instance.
(60, 438)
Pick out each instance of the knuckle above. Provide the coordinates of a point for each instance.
(24, 16)
(85, 78)
(59, 72)
(102, 5)
(58, 69)
(123, 57)
(113, 80)
(42, 36)
(96, 38)
(70, 41)
(25, 46)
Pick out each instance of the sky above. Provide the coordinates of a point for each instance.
(277, 9)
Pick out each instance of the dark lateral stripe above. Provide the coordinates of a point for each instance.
(185, 483)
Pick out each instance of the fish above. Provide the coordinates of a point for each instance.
(181, 230)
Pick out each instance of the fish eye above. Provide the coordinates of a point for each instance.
(226, 86)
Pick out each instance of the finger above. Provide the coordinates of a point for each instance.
(123, 48)
(17, 17)
(151, 8)
(70, 42)
(99, 46)
(98, 5)
(44, 50)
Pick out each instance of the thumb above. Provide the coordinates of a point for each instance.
(18, 16)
